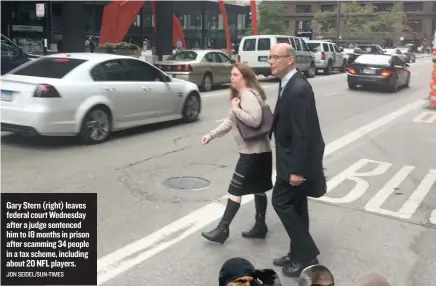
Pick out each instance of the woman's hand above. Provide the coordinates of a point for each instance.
(235, 102)
(205, 140)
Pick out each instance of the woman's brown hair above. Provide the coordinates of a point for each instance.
(250, 78)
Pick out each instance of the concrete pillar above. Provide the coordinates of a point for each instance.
(73, 29)
(164, 28)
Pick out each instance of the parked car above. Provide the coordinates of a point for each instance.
(205, 68)
(385, 71)
(91, 95)
(397, 52)
(410, 55)
(328, 56)
(254, 51)
(351, 54)
(371, 49)
(12, 55)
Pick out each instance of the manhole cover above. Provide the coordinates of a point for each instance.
(186, 183)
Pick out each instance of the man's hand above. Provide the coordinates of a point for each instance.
(296, 180)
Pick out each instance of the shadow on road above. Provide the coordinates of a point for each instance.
(49, 142)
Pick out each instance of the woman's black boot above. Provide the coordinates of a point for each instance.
(221, 232)
(259, 229)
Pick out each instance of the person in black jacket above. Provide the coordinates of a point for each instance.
(299, 153)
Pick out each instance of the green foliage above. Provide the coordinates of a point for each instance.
(271, 18)
(360, 20)
(122, 45)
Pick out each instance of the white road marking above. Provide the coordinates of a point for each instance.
(124, 258)
(220, 120)
(353, 136)
(352, 174)
(412, 203)
(414, 73)
(425, 117)
(330, 94)
(433, 217)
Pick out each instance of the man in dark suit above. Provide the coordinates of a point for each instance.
(299, 154)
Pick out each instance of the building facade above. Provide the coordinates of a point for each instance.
(201, 20)
(420, 18)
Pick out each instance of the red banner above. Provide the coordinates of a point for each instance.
(226, 26)
(119, 16)
(254, 17)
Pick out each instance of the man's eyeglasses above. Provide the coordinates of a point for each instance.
(275, 57)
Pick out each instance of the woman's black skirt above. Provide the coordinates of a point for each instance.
(252, 174)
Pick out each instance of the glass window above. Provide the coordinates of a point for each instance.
(398, 61)
(374, 60)
(50, 67)
(281, 40)
(249, 45)
(336, 49)
(315, 47)
(264, 44)
(224, 58)
(141, 71)
(297, 44)
(183, 56)
(113, 70)
(325, 47)
(303, 9)
(291, 40)
(305, 47)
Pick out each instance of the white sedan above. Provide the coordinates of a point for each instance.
(91, 95)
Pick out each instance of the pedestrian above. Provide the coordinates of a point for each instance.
(253, 171)
(299, 153)
(238, 271)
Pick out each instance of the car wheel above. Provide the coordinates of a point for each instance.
(344, 67)
(394, 86)
(408, 81)
(311, 72)
(207, 82)
(191, 108)
(328, 70)
(352, 86)
(96, 126)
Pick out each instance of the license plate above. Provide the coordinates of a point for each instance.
(368, 71)
(263, 59)
(6, 95)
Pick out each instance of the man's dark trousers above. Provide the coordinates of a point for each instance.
(292, 208)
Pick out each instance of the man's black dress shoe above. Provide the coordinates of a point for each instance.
(282, 261)
(295, 268)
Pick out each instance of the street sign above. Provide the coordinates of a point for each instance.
(40, 10)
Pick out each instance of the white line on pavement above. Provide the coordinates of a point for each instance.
(123, 259)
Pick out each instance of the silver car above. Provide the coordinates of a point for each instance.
(205, 68)
(91, 95)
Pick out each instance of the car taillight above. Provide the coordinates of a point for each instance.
(386, 72)
(322, 56)
(351, 70)
(184, 68)
(46, 91)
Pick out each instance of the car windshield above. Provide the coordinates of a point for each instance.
(50, 67)
(374, 60)
(314, 47)
(183, 56)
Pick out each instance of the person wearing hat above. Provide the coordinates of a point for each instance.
(239, 271)
(316, 275)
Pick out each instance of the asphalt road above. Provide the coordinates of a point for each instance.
(380, 212)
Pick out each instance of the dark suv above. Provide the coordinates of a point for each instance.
(12, 55)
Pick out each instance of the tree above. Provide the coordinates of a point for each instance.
(271, 15)
(392, 22)
(321, 22)
(355, 19)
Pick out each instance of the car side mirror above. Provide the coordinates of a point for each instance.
(167, 78)
(233, 61)
(406, 65)
(341, 50)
